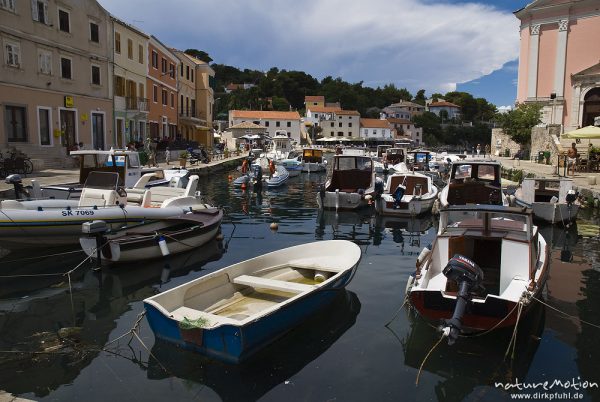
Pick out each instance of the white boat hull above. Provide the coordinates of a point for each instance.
(409, 206)
(340, 200)
(552, 212)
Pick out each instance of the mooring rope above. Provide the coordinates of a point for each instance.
(398, 311)
(41, 256)
(427, 357)
(513, 338)
(565, 314)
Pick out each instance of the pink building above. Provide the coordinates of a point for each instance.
(559, 63)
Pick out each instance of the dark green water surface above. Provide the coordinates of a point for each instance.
(343, 353)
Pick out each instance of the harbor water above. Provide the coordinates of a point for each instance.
(54, 327)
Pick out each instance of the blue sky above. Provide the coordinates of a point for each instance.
(435, 45)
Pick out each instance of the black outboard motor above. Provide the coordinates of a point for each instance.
(17, 183)
(468, 276)
(258, 178)
(378, 187)
(570, 198)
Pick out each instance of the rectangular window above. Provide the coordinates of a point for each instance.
(12, 54)
(141, 54)
(289, 124)
(181, 70)
(266, 124)
(181, 104)
(340, 133)
(130, 49)
(15, 123)
(44, 120)
(187, 72)
(172, 70)
(39, 11)
(7, 5)
(155, 93)
(340, 124)
(277, 123)
(349, 124)
(96, 75)
(119, 86)
(141, 90)
(45, 62)
(172, 100)
(154, 59)
(192, 75)
(64, 23)
(117, 43)
(94, 32)
(332, 124)
(164, 97)
(163, 65)
(65, 68)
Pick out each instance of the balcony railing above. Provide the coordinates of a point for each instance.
(187, 112)
(134, 103)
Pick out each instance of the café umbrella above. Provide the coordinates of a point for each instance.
(585, 133)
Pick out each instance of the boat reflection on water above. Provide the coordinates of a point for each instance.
(474, 361)
(405, 231)
(268, 368)
(561, 238)
(356, 226)
(75, 328)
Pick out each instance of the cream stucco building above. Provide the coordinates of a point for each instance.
(55, 77)
(130, 90)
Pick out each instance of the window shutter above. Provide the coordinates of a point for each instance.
(34, 10)
(41, 63)
(46, 15)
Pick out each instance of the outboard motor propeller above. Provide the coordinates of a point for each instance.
(15, 180)
(469, 277)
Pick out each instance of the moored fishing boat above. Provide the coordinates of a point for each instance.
(233, 312)
(473, 182)
(350, 184)
(313, 160)
(481, 272)
(405, 193)
(169, 236)
(551, 200)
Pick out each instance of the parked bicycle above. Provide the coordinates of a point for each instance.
(16, 162)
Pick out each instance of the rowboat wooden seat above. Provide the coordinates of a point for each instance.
(274, 284)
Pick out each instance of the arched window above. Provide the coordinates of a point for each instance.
(591, 107)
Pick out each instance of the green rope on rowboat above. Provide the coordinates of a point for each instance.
(193, 324)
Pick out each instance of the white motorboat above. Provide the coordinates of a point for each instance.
(350, 185)
(168, 236)
(552, 200)
(473, 182)
(406, 193)
(313, 160)
(482, 272)
(232, 313)
(281, 146)
(49, 222)
(125, 163)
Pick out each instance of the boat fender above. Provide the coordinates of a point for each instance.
(164, 249)
(409, 284)
(571, 196)
(424, 253)
(321, 276)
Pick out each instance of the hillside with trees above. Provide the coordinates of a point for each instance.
(285, 90)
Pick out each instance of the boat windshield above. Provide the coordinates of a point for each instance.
(497, 222)
(354, 163)
(102, 180)
(484, 172)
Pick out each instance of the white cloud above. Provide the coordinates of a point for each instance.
(406, 42)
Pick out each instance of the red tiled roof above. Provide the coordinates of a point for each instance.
(374, 123)
(263, 114)
(315, 98)
(348, 112)
(443, 104)
(323, 109)
(399, 121)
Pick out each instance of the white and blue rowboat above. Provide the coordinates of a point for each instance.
(232, 313)
(293, 166)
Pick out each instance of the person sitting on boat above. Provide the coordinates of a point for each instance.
(271, 167)
(245, 166)
(398, 194)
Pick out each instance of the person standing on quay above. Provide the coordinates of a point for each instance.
(572, 158)
(486, 150)
(478, 149)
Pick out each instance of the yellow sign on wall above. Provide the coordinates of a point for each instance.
(69, 101)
